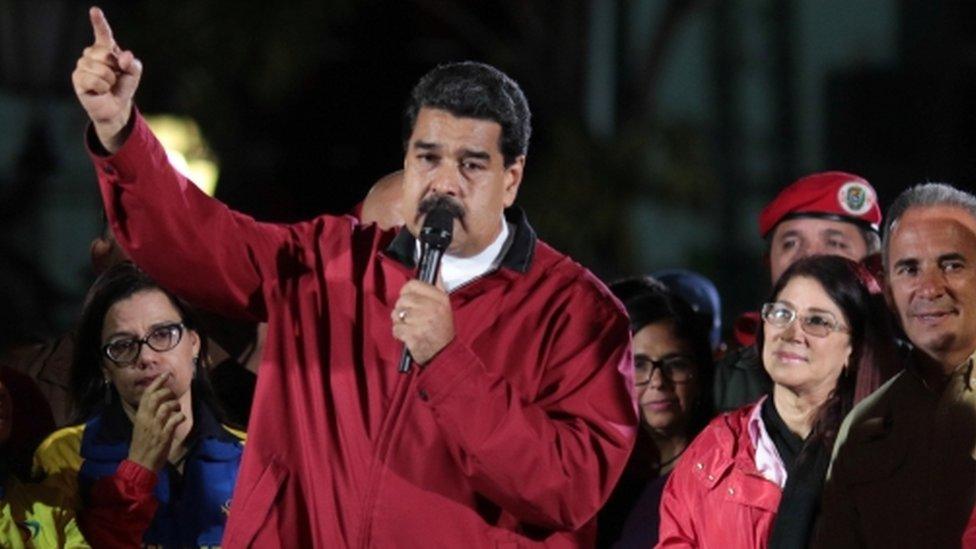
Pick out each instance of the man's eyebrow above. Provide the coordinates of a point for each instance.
(469, 153)
(954, 256)
(426, 145)
(834, 232)
(906, 262)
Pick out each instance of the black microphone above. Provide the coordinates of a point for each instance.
(435, 237)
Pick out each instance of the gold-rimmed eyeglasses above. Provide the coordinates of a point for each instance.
(817, 324)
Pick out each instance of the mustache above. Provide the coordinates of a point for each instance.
(942, 304)
(441, 201)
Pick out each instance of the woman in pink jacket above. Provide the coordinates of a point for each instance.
(753, 477)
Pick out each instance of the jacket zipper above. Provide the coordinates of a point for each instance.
(384, 443)
(389, 435)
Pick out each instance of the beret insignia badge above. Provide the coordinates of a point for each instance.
(855, 198)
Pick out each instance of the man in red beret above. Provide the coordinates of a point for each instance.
(835, 213)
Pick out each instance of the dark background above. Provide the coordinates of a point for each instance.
(661, 127)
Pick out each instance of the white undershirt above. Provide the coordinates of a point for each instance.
(457, 271)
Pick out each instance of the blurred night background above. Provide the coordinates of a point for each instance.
(661, 127)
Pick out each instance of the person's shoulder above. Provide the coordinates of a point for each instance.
(66, 440)
(60, 453)
(894, 392)
(711, 454)
(563, 272)
(722, 433)
(333, 235)
(872, 438)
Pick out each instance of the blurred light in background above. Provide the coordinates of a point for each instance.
(187, 150)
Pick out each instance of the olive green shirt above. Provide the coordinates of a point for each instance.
(903, 472)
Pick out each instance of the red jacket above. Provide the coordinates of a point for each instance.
(513, 435)
(715, 497)
(969, 536)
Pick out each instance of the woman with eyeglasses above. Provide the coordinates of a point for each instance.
(150, 463)
(753, 477)
(672, 366)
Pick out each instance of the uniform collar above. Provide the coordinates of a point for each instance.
(518, 257)
(964, 370)
(456, 271)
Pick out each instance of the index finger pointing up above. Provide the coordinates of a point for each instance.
(103, 32)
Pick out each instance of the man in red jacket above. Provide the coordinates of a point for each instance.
(518, 421)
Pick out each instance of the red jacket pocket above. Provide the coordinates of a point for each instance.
(255, 509)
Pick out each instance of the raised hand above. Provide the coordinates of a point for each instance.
(105, 81)
(154, 427)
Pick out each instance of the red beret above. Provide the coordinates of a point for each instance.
(832, 195)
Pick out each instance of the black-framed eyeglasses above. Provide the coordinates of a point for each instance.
(817, 324)
(676, 368)
(125, 351)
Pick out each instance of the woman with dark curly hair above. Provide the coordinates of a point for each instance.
(150, 463)
(754, 476)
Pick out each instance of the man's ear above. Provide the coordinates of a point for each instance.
(513, 180)
(100, 251)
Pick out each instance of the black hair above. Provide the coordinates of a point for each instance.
(88, 388)
(648, 301)
(474, 90)
(873, 353)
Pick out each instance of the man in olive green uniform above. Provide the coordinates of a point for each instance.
(904, 473)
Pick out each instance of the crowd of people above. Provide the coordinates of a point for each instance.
(544, 408)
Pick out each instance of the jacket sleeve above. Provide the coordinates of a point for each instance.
(57, 461)
(969, 536)
(677, 511)
(549, 460)
(129, 494)
(194, 245)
